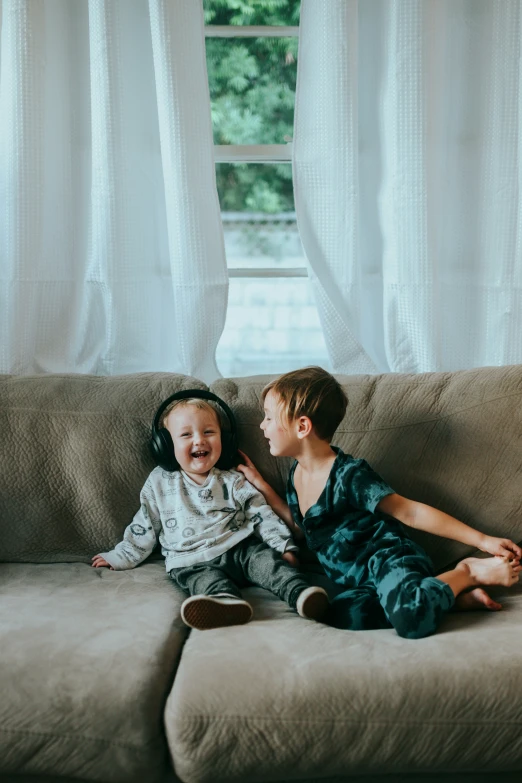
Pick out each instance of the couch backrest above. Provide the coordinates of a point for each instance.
(73, 459)
(74, 453)
(453, 440)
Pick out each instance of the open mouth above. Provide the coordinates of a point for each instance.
(199, 454)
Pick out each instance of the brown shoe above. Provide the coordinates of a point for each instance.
(204, 612)
(312, 603)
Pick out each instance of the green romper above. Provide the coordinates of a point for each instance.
(388, 579)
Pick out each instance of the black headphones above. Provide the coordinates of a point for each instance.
(162, 447)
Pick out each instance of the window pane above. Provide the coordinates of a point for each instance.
(272, 327)
(257, 241)
(252, 89)
(257, 203)
(252, 12)
(255, 187)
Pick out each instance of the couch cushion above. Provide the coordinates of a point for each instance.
(448, 439)
(73, 459)
(284, 698)
(87, 660)
(444, 777)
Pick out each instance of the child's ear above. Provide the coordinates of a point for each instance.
(304, 427)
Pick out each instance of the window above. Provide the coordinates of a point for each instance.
(272, 323)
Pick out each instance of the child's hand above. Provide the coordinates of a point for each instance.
(99, 562)
(501, 547)
(251, 473)
(291, 558)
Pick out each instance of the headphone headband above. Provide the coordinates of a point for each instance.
(190, 394)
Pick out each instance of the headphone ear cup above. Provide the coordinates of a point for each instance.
(224, 461)
(229, 454)
(233, 449)
(162, 449)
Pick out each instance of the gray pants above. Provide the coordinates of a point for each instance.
(249, 562)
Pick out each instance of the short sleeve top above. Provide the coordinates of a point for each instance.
(348, 501)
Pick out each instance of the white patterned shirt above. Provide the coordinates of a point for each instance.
(195, 523)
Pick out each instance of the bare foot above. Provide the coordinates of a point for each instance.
(491, 570)
(476, 599)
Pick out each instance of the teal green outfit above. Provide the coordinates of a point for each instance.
(388, 579)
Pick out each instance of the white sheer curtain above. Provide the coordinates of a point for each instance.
(407, 173)
(111, 246)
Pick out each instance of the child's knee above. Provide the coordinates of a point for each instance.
(414, 608)
(413, 625)
(413, 633)
(356, 610)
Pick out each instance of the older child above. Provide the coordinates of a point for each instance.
(209, 523)
(356, 523)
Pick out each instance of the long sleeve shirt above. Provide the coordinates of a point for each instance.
(195, 523)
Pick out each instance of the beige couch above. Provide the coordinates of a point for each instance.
(99, 679)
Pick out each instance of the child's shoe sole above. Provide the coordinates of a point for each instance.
(204, 612)
(313, 603)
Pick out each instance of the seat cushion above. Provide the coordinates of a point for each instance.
(87, 660)
(284, 698)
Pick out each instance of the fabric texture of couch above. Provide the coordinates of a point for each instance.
(100, 680)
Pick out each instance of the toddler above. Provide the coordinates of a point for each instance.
(357, 524)
(215, 529)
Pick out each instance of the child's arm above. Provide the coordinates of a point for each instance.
(266, 524)
(424, 517)
(276, 503)
(139, 539)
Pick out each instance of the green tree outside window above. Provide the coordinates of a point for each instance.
(252, 93)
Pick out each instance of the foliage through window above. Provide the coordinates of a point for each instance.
(272, 322)
(252, 92)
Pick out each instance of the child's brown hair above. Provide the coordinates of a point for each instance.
(311, 392)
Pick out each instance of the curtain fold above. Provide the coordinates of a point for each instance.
(407, 178)
(112, 254)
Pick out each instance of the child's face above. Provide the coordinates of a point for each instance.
(196, 435)
(281, 439)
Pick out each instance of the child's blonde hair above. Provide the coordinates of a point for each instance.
(311, 392)
(204, 405)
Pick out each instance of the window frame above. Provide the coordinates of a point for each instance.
(256, 153)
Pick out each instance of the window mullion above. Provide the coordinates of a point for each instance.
(253, 153)
(250, 31)
(268, 272)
